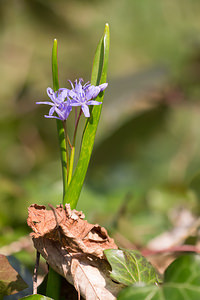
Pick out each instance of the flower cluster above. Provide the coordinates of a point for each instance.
(79, 95)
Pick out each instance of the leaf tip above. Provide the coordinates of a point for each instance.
(106, 27)
(106, 32)
(55, 42)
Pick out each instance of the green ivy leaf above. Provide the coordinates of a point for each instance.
(99, 73)
(10, 281)
(36, 297)
(130, 267)
(181, 281)
(141, 292)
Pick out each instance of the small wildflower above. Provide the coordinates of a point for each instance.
(59, 105)
(83, 95)
(79, 95)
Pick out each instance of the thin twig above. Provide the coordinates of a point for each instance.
(54, 212)
(69, 142)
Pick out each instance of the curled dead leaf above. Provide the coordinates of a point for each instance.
(68, 227)
(74, 248)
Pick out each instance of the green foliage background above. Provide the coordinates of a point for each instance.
(147, 148)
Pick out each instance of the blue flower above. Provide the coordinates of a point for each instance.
(79, 95)
(59, 105)
(83, 95)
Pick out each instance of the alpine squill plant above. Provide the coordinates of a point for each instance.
(84, 100)
(81, 252)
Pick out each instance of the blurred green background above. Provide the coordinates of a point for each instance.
(147, 149)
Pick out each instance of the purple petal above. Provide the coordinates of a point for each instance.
(60, 113)
(92, 92)
(60, 97)
(67, 112)
(71, 84)
(103, 86)
(51, 111)
(93, 102)
(45, 102)
(85, 110)
(76, 103)
(52, 117)
(72, 94)
(86, 85)
(96, 92)
(50, 92)
(78, 88)
(63, 93)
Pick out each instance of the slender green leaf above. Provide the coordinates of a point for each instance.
(55, 65)
(181, 281)
(99, 73)
(129, 267)
(60, 129)
(54, 279)
(36, 297)
(10, 281)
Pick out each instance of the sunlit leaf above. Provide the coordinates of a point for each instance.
(129, 267)
(36, 297)
(181, 281)
(55, 65)
(10, 281)
(140, 292)
(99, 74)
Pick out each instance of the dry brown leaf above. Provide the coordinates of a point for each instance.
(68, 227)
(74, 248)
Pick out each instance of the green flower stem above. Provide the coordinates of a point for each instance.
(70, 145)
(76, 126)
